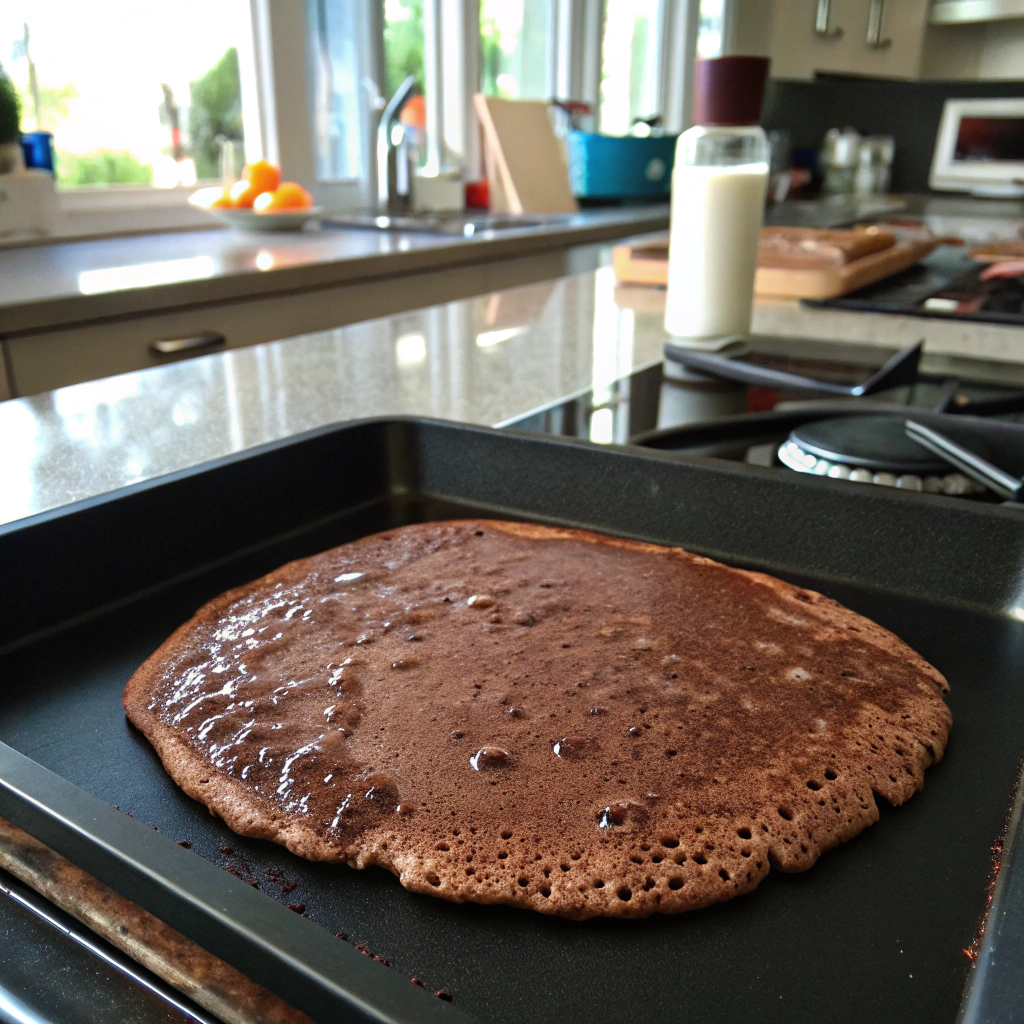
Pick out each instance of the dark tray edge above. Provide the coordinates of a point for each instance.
(223, 914)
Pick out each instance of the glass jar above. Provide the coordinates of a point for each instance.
(719, 187)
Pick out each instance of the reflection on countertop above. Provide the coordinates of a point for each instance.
(44, 286)
(485, 360)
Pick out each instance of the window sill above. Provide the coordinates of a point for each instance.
(112, 211)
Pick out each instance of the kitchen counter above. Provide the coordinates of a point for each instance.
(485, 360)
(46, 286)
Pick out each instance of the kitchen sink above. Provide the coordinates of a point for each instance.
(442, 223)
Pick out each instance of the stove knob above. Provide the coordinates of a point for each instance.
(862, 476)
(909, 482)
(932, 485)
(839, 472)
(884, 479)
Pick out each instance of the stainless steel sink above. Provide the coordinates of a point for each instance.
(442, 223)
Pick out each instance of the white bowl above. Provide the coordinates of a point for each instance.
(280, 220)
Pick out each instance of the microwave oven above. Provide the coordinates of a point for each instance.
(980, 148)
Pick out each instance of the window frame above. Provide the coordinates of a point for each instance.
(277, 68)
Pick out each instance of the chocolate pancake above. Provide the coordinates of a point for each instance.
(553, 719)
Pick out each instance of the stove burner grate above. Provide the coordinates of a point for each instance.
(790, 454)
(870, 449)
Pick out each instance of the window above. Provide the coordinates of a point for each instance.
(342, 93)
(515, 38)
(403, 44)
(140, 94)
(712, 28)
(133, 92)
(647, 52)
(628, 64)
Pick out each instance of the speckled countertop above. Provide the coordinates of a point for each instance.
(46, 286)
(485, 360)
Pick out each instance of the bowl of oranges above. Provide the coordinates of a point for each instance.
(259, 201)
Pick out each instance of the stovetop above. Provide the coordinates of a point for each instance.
(670, 408)
(946, 285)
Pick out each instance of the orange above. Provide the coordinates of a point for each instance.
(264, 175)
(213, 197)
(287, 196)
(243, 193)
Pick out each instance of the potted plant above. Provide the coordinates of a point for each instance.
(10, 125)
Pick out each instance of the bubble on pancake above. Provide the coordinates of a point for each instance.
(545, 718)
(488, 759)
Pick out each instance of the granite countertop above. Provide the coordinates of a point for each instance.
(59, 283)
(485, 360)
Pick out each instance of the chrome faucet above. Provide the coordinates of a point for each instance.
(394, 170)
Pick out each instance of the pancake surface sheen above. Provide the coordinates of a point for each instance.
(549, 718)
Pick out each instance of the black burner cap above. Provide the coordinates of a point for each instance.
(878, 443)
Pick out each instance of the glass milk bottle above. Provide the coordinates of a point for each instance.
(719, 184)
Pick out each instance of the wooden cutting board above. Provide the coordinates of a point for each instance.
(526, 167)
(647, 263)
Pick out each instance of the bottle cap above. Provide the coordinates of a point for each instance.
(729, 90)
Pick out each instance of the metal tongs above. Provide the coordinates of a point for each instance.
(974, 466)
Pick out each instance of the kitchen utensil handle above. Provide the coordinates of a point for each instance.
(174, 346)
(875, 40)
(900, 369)
(966, 461)
(821, 22)
(745, 373)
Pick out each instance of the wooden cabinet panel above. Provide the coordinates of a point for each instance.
(798, 52)
(47, 360)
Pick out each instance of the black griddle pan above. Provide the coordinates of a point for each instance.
(875, 931)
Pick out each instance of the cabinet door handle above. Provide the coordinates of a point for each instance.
(875, 40)
(821, 22)
(174, 346)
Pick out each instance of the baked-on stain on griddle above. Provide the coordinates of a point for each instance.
(554, 719)
(237, 865)
(973, 948)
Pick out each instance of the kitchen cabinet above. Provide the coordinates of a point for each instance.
(42, 361)
(797, 50)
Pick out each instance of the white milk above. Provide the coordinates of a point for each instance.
(716, 226)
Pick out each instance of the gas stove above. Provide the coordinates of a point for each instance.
(859, 439)
(946, 285)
